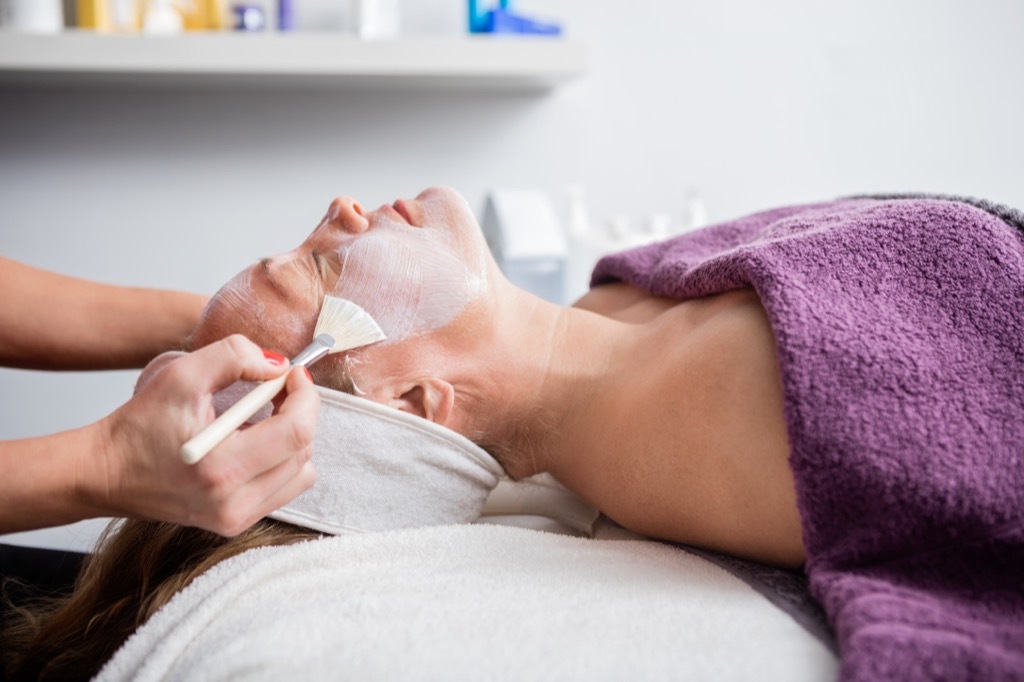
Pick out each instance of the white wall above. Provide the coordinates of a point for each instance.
(756, 104)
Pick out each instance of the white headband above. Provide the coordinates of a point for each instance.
(379, 468)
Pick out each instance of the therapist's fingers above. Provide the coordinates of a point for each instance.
(269, 491)
(286, 434)
(253, 465)
(283, 485)
(220, 364)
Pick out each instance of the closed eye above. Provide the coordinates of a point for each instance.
(326, 266)
(270, 276)
(318, 263)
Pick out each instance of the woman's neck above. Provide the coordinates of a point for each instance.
(560, 367)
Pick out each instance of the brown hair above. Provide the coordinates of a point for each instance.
(138, 567)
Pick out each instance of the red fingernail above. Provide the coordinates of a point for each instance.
(307, 373)
(274, 358)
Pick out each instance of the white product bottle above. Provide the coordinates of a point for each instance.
(163, 19)
(33, 16)
(375, 19)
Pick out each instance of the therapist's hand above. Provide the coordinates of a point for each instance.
(251, 473)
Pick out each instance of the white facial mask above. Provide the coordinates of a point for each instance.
(411, 280)
(416, 284)
(414, 279)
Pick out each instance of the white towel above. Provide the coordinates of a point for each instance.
(469, 603)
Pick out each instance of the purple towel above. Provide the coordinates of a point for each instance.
(900, 333)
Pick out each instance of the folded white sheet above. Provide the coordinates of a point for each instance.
(469, 602)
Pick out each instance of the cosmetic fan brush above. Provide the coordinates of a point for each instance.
(342, 325)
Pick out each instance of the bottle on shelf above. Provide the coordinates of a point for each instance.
(32, 16)
(163, 18)
(375, 19)
(285, 15)
(109, 16)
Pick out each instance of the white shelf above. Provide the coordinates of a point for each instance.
(302, 59)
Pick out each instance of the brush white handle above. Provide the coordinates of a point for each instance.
(233, 417)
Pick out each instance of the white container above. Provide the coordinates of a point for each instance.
(32, 16)
(163, 19)
(527, 240)
(375, 19)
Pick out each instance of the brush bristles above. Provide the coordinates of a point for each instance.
(350, 325)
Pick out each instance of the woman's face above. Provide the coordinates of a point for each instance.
(414, 266)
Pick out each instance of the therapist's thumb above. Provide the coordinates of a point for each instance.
(231, 359)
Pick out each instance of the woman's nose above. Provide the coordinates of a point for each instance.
(347, 215)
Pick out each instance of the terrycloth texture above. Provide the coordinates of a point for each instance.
(900, 334)
(469, 603)
(379, 468)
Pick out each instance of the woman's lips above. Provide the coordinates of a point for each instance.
(402, 209)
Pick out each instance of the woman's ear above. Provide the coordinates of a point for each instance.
(430, 398)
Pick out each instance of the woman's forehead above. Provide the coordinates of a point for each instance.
(240, 306)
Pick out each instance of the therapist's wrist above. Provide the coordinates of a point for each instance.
(184, 310)
(165, 320)
(99, 469)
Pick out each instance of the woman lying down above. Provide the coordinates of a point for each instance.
(837, 387)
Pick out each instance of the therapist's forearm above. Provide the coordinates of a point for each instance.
(46, 479)
(51, 321)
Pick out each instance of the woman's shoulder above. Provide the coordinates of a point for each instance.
(624, 302)
(627, 303)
